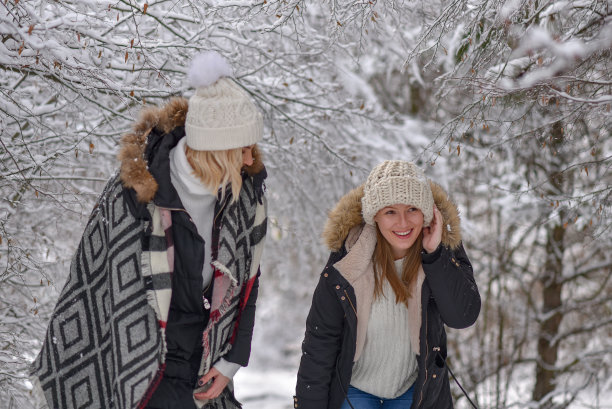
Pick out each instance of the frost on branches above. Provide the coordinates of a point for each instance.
(506, 102)
(523, 91)
(74, 75)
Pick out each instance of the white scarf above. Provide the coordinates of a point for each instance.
(197, 199)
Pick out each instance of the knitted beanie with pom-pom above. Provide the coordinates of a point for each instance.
(396, 182)
(221, 115)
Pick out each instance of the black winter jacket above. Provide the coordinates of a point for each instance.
(187, 317)
(449, 295)
(189, 252)
(105, 346)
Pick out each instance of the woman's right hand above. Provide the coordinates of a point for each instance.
(432, 235)
(219, 383)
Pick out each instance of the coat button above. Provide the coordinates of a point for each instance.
(434, 376)
(337, 287)
(343, 298)
(325, 275)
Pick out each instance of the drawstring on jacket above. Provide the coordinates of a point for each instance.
(457, 381)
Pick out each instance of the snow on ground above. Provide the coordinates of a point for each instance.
(259, 388)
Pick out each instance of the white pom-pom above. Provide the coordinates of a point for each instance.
(207, 68)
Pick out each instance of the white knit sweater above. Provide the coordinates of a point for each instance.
(200, 205)
(387, 366)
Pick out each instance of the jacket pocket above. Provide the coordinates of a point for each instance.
(437, 385)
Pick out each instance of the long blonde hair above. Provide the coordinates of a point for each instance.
(217, 168)
(384, 268)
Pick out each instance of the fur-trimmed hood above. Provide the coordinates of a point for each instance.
(134, 172)
(347, 214)
(345, 224)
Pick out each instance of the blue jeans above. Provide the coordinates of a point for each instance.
(363, 400)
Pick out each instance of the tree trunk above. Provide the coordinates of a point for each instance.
(551, 301)
(552, 286)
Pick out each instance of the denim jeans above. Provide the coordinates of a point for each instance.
(363, 400)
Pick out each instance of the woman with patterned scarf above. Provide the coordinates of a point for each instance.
(159, 306)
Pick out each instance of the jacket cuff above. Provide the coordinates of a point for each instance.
(428, 258)
(227, 368)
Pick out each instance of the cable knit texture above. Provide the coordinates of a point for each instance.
(222, 116)
(387, 366)
(396, 181)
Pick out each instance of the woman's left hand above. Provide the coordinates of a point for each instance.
(219, 383)
(432, 235)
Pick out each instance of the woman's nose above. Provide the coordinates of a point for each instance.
(247, 157)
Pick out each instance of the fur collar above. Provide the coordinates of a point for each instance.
(345, 224)
(134, 173)
(347, 214)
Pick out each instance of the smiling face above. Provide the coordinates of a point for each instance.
(400, 225)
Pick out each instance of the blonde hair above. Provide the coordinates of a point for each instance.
(384, 268)
(217, 168)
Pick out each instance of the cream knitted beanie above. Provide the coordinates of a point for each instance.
(221, 115)
(396, 181)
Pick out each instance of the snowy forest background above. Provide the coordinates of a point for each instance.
(507, 104)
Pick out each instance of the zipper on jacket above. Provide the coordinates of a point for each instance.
(350, 302)
(426, 355)
(172, 209)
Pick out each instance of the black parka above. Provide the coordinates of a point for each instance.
(187, 315)
(108, 338)
(449, 296)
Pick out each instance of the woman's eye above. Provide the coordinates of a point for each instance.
(389, 212)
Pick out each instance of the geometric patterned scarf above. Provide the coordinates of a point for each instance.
(105, 344)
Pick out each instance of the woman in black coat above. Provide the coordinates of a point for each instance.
(397, 274)
(159, 307)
